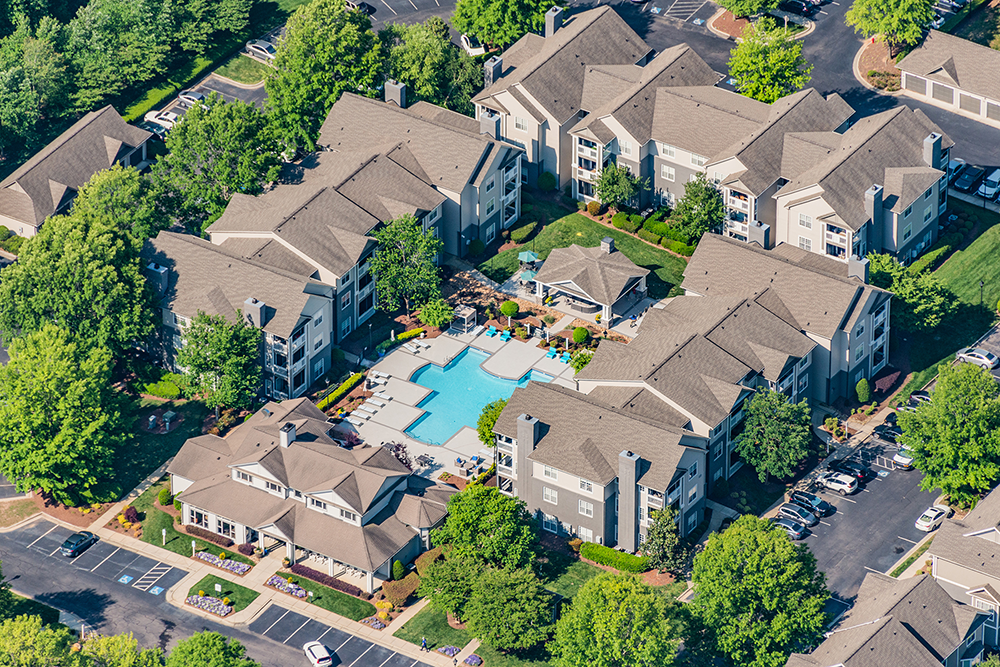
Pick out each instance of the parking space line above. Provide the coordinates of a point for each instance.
(41, 536)
(274, 624)
(390, 7)
(328, 628)
(825, 523)
(414, 6)
(823, 13)
(387, 660)
(414, 662)
(296, 630)
(344, 644)
(55, 550)
(906, 540)
(117, 549)
(370, 647)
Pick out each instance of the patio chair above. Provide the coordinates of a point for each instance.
(369, 405)
(365, 409)
(552, 353)
(478, 330)
(492, 331)
(380, 374)
(411, 348)
(360, 415)
(377, 381)
(384, 396)
(353, 421)
(565, 358)
(422, 343)
(376, 402)
(505, 336)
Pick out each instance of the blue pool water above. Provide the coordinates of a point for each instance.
(460, 390)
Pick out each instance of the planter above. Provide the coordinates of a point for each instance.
(281, 584)
(227, 565)
(209, 604)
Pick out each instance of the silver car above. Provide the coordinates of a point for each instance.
(796, 513)
(978, 356)
(261, 49)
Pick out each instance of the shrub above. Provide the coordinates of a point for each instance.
(546, 182)
(246, 549)
(425, 559)
(619, 220)
(477, 248)
(831, 423)
(677, 247)
(581, 206)
(647, 235)
(655, 226)
(521, 234)
(575, 544)
(509, 308)
(339, 392)
(398, 592)
(436, 313)
(209, 536)
(634, 223)
(549, 319)
(178, 505)
(580, 335)
(407, 335)
(863, 390)
(164, 496)
(398, 571)
(383, 615)
(13, 244)
(327, 580)
(162, 389)
(594, 207)
(131, 514)
(619, 560)
(521, 332)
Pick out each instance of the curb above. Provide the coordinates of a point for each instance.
(860, 77)
(710, 24)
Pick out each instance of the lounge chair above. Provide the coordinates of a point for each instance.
(364, 408)
(375, 402)
(411, 348)
(371, 405)
(384, 396)
(380, 374)
(492, 331)
(376, 381)
(422, 343)
(552, 353)
(352, 420)
(565, 358)
(478, 330)
(361, 415)
(505, 335)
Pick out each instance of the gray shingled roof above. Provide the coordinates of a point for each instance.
(641, 402)
(584, 437)
(208, 278)
(596, 274)
(51, 177)
(956, 62)
(704, 119)
(884, 642)
(956, 542)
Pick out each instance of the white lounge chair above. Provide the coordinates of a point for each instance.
(478, 330)
(377, 381)
(384, 396)
(380, 374)
(352, 420)
(422, 343)
(411, 348)
(375, 402)
(365, 408)
(360, 415)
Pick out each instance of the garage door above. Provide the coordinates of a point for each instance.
(970, 103)
(993, 111)
(915, 83)
(944, 93)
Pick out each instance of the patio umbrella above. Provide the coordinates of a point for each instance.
(528, 276)
(528, 257)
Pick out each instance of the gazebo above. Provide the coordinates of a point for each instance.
(464, 319)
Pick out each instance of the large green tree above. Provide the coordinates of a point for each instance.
(448, 583)
(700, 209)
(119, 651)
(509, 610)
(122, 197)
(955, 438)
(898, 23)
(616, 620)
(61, 422)
(776, 436)
(921, 302)
(403, 266)
(7, 600)
(767, 63)
(26, 642)
(434, 70)
(488, 526)
(748, 8)
(617, 187)
(222, 359)
(327, 50)
(209, 649)
(19, 108)
(488, 419)
(219, 149)
(663, 544)
(759, 596)
(500, 23)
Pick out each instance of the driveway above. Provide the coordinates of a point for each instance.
(228, 90)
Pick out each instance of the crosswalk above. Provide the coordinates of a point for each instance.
(147, 580)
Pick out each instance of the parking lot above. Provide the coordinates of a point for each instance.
(105, 560)
(292, 629)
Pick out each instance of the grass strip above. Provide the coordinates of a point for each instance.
(240, 597)
(901, 568)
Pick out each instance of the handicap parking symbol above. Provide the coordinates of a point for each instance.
(124, 579)
(883, 473)
(155, 590)
(655, 10)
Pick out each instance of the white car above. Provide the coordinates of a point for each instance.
(258, 48)
(903, 458)
(317, 654)
(839, 482)
(165, 119)
(978, 356)
(472, 46)
(189, 98)
(990, 186)
(932, 517)
(938, 22)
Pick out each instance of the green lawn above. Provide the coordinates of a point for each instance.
(27, 607)
(339, 603)
(240, 597)
(965, 268)
(565, 576)
(243, 69)
(149, 450)
(433, 625)
(575, 228)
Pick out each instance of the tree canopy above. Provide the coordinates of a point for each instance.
(448, 583)
(327, 50)
(209, 649)
(748, 8)
(509, 610)
(488, 419)
(663, 544)
(759, 596)
(617, 187)
(500, 23)
(897, 22)
(119, 651)
(61, 421)
(124, 198)
(921, 302)
(768, 64)
(616, 620)
(955, 438)
(403, 266)
(776, 437)
(26, 642)
(700, 209)
(222, 359)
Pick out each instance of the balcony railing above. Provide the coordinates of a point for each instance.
(739, 204)
(879, 340)
(505, 447)
(509, 198)
(786, 383)
(839, 239)
(584, 174)
(510, 174)
(506, 470)
(737, 226)
(279, 346)
(299, 365)
(586, 152)
(656, 503)
(879, 317)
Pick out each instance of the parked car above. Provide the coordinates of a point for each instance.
(890, 419)
(797, 7)
(978, 356)
(939, 20)
(317, 654)
(990, 185)
(955, 168)
(903, 458)
(189, 98)
(261, 49)
(472, 45)
(795, 530)
(916, 398)
(159, 132)
(165, 119)
(796, 513)
(932, 517)
(810, 501)
(969, 178)
(853, 468)
(888, 432)
(839, 482)
(77, 543)
(362, 7)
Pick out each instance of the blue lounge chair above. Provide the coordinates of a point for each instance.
(565, 358)
(505, 335)
(492, 331)
(552, 353)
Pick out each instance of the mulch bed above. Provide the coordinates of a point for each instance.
(606, 221)
(875, 57)
(71, 515)
(652, 577)
(729, 24)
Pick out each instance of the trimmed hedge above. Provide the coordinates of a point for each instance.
(162, 389)
(647, 235)
(164, 497)
(340, 391)
(407, 335)
(937, 253)
(209, 536)
(678, 247)
(425, 559)
(398, 571)
(246, 549)
(619, 220)
(655, 226)
(327, 580)
(398, 592)
(619, 560)
(521, 234)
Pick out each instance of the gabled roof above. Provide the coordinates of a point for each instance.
(974, 541)
(599, 275)
(956, 62)
(703, 119)
(40, 186)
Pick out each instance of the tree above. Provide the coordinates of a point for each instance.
(326, 51)
(616, 620)
(898, 23)
(219, 149)
(500, 23)
(955, 438)
(7, 601)
(209, 649)
(486, 525)
(768, 64)
(580, 360)
(124, 197)
(509, 309)
(403, 265)
(223, 359)
(61, 421)
(617, 187)
(776, 437)
(436, 313)
(120, 651)
(663, 544)
(580, 335)
(700, 209)
(509, 610)
(748, 8)
(448, 583)
(863, 390)
(921, 301)
(19, 108)
(26, 642)
(434, 70)
(759, 595)
(487, 420)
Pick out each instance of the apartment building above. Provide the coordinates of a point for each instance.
(589, 470)
(285, 478)
(47, 183)
(911, 622)
(295, 313)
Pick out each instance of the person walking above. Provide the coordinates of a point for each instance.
(423, 643)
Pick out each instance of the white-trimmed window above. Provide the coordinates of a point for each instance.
(586, 534)
(928, 213)
(693, 471)
(667, 172)
(927, 195)
(550, 495)
(804, 362)
(345, 328)
(586, 509)
(549, 523)
(274, 488)
(907, 231)
(345, 279)
(433, 215)
(491, 183)
(859, 353)
(345, 299)
(668, 150)
(642, 514)
(181, 321)
(197, 517)
(805, 221)
(225, 528)
(907, 212)
(717, 451)
(717, 176)
(550, 472)
(692, 521)
(318, 504)
(244, 477)
(805, 243)
(697, 160)
(520, 124)
(803, 382)
(491, 232)
(586, 486)
(625, 146)
(349, 516)
(318, 321)
(693, 494)
(318, 344)
(319, 367)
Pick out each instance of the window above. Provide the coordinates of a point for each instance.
(693, 471)
(928, 213)
(697, 160)
(491, 232)
(717, 452)
(549, 523)
(345, 328)
(318, 504)
(244, 477)
(804, 362)
(491, 206)
(271, 486)
(298, 354)
(318, 368)
(861, 331)
(319, 344)
(318, 321)
(927, 195)
(692, 178)
(908, 211)
(859, 353)
(367, 304)
(668, 150)
(180, 320)
(225, 528)
(805, 221)
(433, 215)
(907, 231)
(693, 494)
(520, 124)
(692, 522)
(280, 360)
(586, 509)
(586, 486)
(642, 514)
(626, 147)
(805, 244)
(803, 382)
(667, 172)
(588, 165)
(490, 184)
(349, 516)
(550, 496)
(586, 534)
(198, 518)
(551, 473)
(299, 379)
(345, 299)
(642, 489)
(717, 176)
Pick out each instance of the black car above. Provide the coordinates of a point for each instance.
(969, 178)
(859, 471)
(890, 419)
(812, 503)
(77, 543)
(797, 7)
(888, 432)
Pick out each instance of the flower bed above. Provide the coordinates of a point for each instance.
(285, 586)
(374, 622)
(473, 660)
(228, 565)
(450, 651)
(209, 604)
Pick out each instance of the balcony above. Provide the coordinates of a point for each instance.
(510, 198)
(839, 239)
(505, 470)
(879, 317)
(279, 346)
(786, 383)
(583, 174)
(506, 486)
(298, 339)
(879, 340)
(655, 502)
(510, 174)
(583, 151)
(738, 204)
(505, 447)
(509, 216)
(736, 226)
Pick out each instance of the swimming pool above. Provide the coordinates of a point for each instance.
(460, 390)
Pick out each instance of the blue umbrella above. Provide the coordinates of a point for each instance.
(528, 257)
(528, 276)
